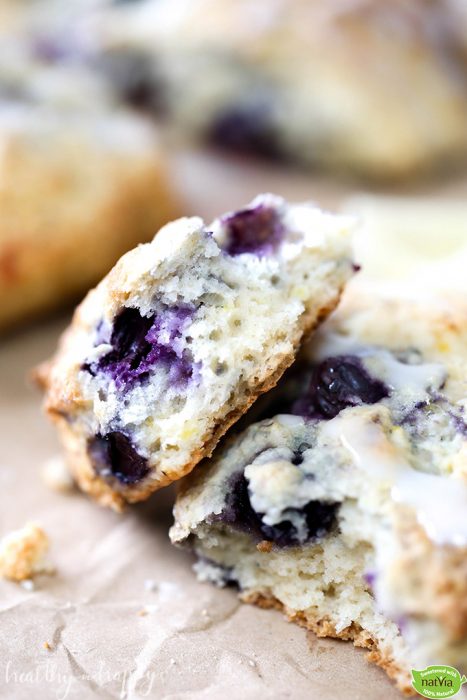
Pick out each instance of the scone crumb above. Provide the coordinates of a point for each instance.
(22, 553)
(56, 475)
(264, 546)
(47, 646)
(143, 612)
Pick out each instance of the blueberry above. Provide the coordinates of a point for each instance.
(237, 509)
(245, 128)
(129, 345)
(139, 343)
(239, 513)
(337, 383)
(257, 230)
(134, 76)
(114, 455)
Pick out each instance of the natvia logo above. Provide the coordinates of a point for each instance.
(438, 681)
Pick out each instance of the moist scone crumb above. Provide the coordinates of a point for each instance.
(22, 553)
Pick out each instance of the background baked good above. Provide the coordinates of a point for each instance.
(368, 87)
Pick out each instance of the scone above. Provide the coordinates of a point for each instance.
(183, 335)
(77, 190)
(349, 511)
(83, 178)
(371, 87)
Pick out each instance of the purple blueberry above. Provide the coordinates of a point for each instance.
(239, 513)
(139, 343)
(114, 455)
(257, 230)
(337, 383)
(245, 128)
(134, 76)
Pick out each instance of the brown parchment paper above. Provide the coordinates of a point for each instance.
(124, 616)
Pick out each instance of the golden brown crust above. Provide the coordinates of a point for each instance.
(323, 627)
(70, 208)
(75, 444)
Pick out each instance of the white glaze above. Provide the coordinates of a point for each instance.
(402, 377)
(440, 502)
(368, 445)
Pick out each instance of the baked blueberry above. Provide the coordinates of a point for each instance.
(140, 342)
(257, 230)
(245, 128)
(318, 518)
(114, 455)
(337, 383)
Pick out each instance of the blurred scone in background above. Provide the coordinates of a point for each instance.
(98, 98)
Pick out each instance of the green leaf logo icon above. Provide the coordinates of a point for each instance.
(438, 681)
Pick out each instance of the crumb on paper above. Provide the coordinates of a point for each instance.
(47, 646)
(143, 612)
(22, 553)
(56, 475)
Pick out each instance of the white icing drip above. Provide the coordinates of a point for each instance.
(367, 443)
(440, 503)
(401, 376)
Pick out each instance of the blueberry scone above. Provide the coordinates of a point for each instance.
(83, 179)
(183, 335)
(77, 190)
(348, 512)
(373, 87)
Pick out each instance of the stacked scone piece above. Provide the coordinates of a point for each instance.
(348, 510)
(343, 502)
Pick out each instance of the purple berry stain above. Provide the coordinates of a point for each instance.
(337, 383)
(239, 513)
(135, 78)
(115, 455)
(139, 343)
(370, 578)
(256, 230)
